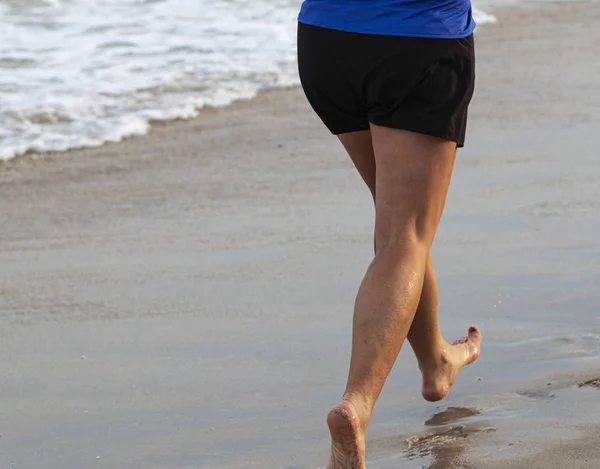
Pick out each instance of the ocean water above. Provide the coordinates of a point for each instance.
(79, 73)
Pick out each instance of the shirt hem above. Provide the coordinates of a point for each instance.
(379, 32)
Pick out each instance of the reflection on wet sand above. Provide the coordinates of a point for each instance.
(444, 443)
(448, 443)
(451, 414)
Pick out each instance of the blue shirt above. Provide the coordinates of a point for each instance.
(452, 19)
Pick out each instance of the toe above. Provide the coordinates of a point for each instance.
(474, 341)
(474, 333)
(462, 340)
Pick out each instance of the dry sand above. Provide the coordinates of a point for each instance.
(183, 300)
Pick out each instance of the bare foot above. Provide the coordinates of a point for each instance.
(439, 377)
(347, 437)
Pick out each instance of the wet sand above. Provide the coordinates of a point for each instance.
(183, 300)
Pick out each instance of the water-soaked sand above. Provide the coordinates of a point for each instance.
(183, 300)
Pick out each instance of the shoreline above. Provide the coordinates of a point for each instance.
(203, 113)
(182, 299)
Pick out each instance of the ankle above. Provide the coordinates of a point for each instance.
(436, 354)
(361, 405)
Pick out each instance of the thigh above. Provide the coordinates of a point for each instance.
(359, 147)
(413, 174)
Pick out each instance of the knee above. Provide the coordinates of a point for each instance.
(402, 242)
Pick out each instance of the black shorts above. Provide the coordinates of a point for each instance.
(417, 84)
